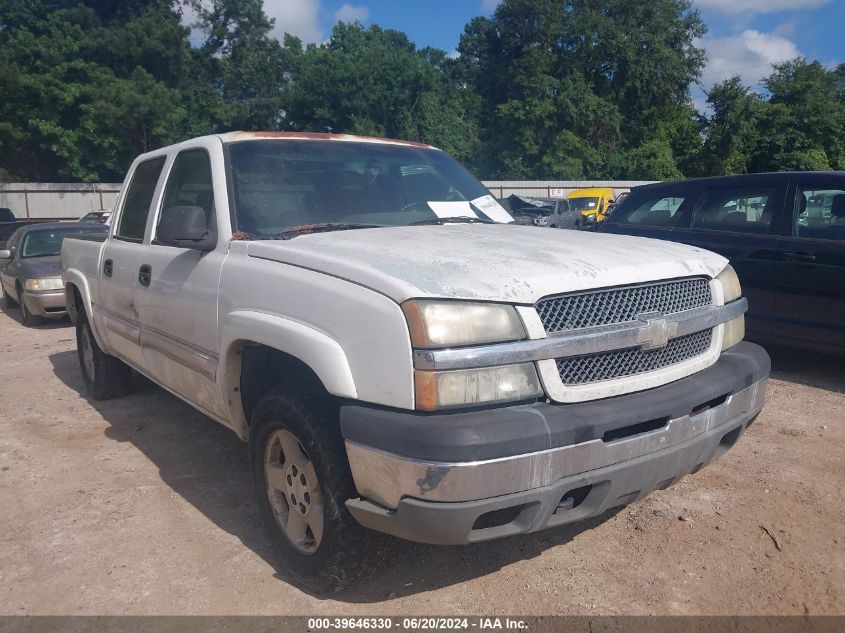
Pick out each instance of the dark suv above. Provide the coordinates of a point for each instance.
(784, 234)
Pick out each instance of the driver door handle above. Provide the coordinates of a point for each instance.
(108, 267)
(145, 275)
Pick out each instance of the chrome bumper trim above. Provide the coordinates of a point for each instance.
(580, 342)
(386, 478)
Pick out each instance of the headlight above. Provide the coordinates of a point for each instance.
(448, 323)
(39, 285)
(734, 330)
(443, 389)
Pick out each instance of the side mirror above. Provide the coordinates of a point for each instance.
(5, 254)
(186, 227)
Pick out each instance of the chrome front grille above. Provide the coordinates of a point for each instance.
(579, 370)
(618, 305)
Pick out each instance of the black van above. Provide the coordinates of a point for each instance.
(784, 233)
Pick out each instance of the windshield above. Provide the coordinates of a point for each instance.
(46, 242)
(583, 204)
(280, 185)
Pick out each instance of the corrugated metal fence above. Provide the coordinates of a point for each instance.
(56, 201)
(69, 201)
(555, 188)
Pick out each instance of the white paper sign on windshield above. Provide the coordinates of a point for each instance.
(457, 209)
(490, 207)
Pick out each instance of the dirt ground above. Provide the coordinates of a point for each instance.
(143, 506)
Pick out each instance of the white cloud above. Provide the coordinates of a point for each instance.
(749, 55)
(297, 17)
(759, 6)
(352, 13)
(490, 5)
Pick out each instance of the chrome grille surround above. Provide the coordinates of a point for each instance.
(579, 370)
(618, 305)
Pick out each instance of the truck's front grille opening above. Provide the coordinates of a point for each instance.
(635, 429)
(497, 518)
(579, 370)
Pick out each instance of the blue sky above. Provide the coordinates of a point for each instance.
(745, 36)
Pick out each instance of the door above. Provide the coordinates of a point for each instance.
(810, 278)
(119, 266)
(741, 223)
(177, 298)
(8, 268)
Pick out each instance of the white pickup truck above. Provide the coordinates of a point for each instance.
(399, 358)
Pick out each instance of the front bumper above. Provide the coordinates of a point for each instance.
(598, 455)
(49, 304)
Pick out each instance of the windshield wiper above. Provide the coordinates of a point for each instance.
(324, 227)
(458, 219)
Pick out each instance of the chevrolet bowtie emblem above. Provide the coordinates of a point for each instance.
(656, 332)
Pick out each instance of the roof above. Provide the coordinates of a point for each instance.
(236, 137)
(739, 178)
(34, 226)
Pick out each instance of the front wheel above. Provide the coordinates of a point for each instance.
(105, 376)
(302, 481)
(8, 302)
(28, 318)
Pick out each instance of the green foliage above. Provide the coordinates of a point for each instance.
(569, 92)
(541, 89)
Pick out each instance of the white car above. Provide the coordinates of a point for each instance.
(400, 358)
(103, 216)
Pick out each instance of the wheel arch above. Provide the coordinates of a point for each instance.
(262, 350)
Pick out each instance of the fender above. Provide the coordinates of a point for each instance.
(75, 277)
(316, 349)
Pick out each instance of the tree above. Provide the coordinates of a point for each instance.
(87, 86)
(593, 76)
(247, 68)
(374, 81)
(731, 129)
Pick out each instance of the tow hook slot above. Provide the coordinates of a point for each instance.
(573, 498)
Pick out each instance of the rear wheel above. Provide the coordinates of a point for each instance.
(302, 481)
(105, 376)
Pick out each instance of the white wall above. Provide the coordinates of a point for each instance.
(65, 201)
(56, 201)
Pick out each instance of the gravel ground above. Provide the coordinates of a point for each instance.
(143, 506)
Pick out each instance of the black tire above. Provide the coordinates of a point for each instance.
(28, 318)
(105, 376)
(347, 552)
(8, 302)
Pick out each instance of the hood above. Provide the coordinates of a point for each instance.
(487, 262)
(36, 267)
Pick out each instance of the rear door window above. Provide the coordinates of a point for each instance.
(653, 211)
(139, 196)
(736, 210)
(820, 213)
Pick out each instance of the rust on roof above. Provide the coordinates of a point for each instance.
(325, 136)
